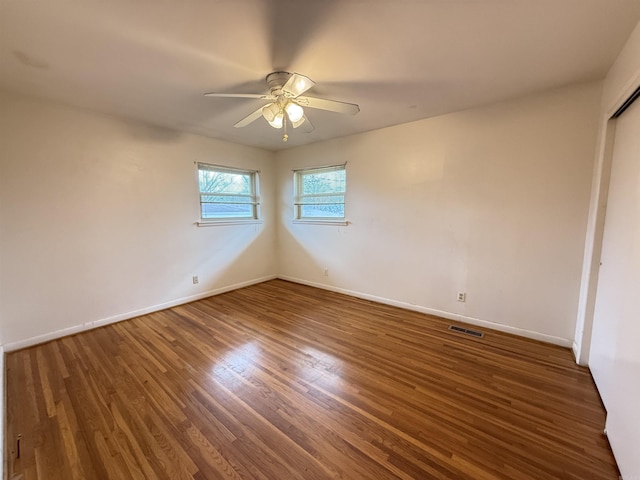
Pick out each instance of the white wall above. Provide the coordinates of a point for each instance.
(97, 220)
(491, 201)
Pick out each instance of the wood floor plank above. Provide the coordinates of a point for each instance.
(283, 381)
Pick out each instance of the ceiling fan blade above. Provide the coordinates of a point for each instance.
(329, 105)
(252, 117)
(305, 125)
(261, 96)
(297, 85)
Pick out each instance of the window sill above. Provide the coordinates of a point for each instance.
(214, 223)
(342, 223)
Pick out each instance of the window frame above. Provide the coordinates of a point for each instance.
(298, 175)
(254, 195)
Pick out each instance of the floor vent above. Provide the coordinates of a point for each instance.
(466, 331)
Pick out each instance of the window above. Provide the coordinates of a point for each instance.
(227, 193)
(319, 193)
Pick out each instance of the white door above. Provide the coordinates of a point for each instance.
(615, 343)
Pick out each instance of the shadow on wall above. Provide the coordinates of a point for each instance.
(311, 254)
(227, 259)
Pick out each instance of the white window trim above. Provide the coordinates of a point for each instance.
(320, 221)
(207, 222)
(213, 222)
(297, 175)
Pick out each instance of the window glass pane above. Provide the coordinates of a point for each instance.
(224, 182)
(226, 193)
(225, 199)
(319, 193)
(323, 182)
(319, 199)
(226, 210)
(322, 211)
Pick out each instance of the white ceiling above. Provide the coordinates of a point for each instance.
(400, 60)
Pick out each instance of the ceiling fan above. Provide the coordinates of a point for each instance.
(286, 103)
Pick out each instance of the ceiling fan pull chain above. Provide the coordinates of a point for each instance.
(285, 137)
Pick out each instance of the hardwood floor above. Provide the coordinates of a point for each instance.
(282, 381)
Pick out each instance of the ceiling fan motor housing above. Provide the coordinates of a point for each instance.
(276, 81)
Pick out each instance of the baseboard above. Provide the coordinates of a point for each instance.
(563, 342)
(12, 346)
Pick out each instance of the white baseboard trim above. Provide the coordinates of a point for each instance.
(29, 342)
(563, 342)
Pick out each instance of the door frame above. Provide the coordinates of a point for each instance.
(596, 221)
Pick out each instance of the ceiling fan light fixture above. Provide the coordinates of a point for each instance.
(277, 121)
(270, 112)
(294, 112)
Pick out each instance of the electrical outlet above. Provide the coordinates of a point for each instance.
(462, 297)
(326, 272)
(195, 279)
